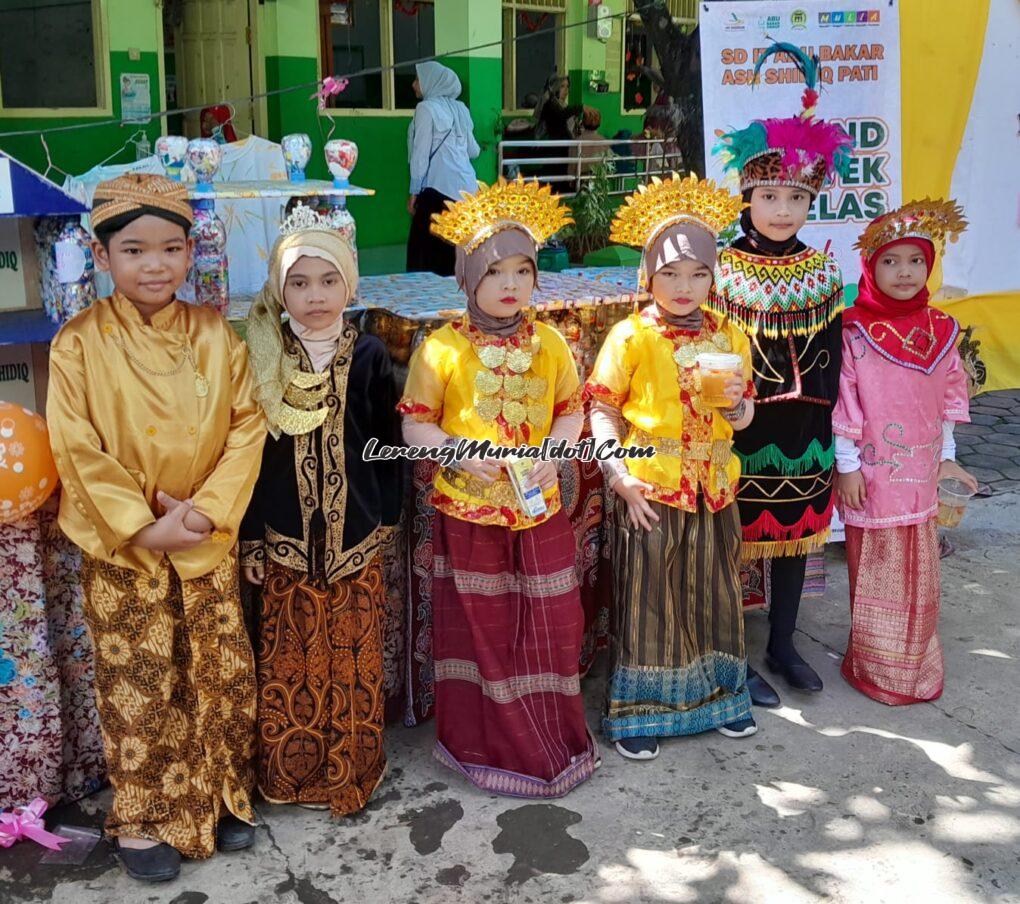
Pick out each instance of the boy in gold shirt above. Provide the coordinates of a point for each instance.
(158, 440)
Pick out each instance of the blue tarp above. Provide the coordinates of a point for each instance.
(33, 196)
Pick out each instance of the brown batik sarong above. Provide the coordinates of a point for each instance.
(320, 675)
(175, 688)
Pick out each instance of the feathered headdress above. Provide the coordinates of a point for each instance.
(799, 150)
(932, 219)
(504, 205)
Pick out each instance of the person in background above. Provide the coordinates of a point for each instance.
(591, 119)
(216, 123)
(440, 147)
(902, 389)
(553, 123)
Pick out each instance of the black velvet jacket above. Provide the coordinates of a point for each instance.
(318, 506)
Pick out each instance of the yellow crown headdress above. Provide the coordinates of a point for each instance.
(932, 219)
(503, 205)
(663, 203)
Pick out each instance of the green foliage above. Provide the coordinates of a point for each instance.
(593, 208)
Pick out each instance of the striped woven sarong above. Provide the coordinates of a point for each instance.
(678, 642)
(508, 629)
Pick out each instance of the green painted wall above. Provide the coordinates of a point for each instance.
(287, 33)
(129, 24)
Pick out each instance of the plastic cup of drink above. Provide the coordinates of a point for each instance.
(953, 498)
(716, 369)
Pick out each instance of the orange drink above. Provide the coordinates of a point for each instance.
(716, 369)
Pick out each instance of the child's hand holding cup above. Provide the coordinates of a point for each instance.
(722, 382)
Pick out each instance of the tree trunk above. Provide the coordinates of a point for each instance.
(680, 63)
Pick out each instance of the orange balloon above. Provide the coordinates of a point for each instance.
(28, 474)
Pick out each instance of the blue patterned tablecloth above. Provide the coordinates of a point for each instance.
(426, 296)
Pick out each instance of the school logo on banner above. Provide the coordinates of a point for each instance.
(798, 19)
(850, 18)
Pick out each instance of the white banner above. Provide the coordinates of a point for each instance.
(986, 178)
(859, 85)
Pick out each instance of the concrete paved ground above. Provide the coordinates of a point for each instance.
(837, 798)
(990, 444)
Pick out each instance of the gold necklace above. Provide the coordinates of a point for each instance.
(201, 383)
(517, 394)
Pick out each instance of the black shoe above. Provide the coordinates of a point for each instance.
(638, 748)
(234, 835)
(762, 693)
(155, 864)
(797, 673)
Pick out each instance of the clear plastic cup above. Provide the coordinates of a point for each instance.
(716, 368)
(953, 498)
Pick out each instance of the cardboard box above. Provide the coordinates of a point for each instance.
(24, 375)
(19, 265)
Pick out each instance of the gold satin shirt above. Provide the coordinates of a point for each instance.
(135, 408)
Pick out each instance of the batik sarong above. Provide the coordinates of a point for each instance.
(320, 680)
(175, 689)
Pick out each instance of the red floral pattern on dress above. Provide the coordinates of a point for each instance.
(419, 412)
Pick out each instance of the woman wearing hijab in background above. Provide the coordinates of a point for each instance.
(553, 123)
(440, 148)
(902, 388)
(318, 519)
(507, 613)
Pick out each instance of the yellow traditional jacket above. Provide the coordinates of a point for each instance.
(647, 369)
(448, 384)
(135, 408)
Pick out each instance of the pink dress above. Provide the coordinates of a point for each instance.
(894, 414)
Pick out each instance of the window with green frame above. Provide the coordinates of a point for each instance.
(637, 91)
(374, 34)
(30, 77)
(532, 32)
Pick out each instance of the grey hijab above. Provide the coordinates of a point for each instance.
(471, 268)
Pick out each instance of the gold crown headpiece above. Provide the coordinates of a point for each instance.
(665, 202)
(931, 219)
(503, 205)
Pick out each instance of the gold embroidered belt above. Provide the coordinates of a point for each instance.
(499, 492)
(716, 451)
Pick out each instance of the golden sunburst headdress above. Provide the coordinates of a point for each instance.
(932, 219)
(506, 204)
(663, 203)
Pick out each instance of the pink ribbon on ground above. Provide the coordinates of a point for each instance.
(330, 88)
(26, 822)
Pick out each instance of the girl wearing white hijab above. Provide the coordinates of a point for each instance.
(440, 148)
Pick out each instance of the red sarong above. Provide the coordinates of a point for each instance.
(894, 655)
(507, 635)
